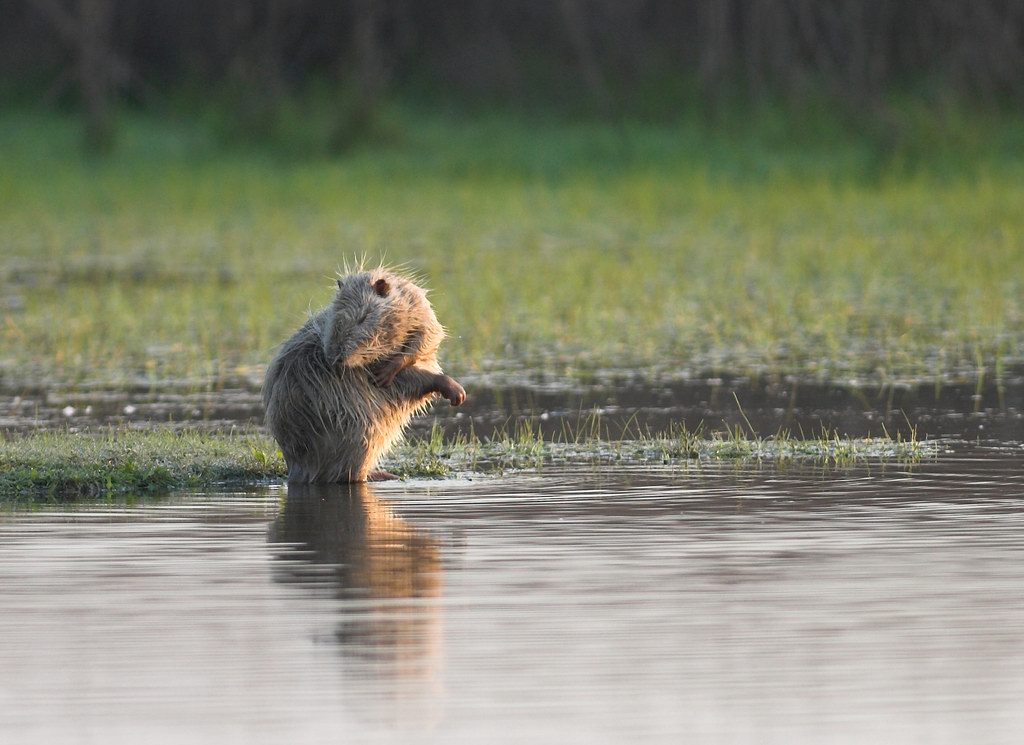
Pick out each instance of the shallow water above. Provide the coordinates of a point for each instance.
(986, 407)
(711, 604)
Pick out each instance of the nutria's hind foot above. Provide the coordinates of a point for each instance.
(448, 387)
(381, 476)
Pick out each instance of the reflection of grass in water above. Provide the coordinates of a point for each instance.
(66, 465)
(550, 246)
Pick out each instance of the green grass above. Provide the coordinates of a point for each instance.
(524, 447)
(775, 244)
(127, 462)
(67, 465)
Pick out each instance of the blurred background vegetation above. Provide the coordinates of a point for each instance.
(827, 187)
(253, 60)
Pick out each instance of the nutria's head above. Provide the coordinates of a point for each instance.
(372, 315)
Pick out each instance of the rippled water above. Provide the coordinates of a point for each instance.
(719, 604)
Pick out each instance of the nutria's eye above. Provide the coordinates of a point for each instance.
(381, 287)
(363, 318)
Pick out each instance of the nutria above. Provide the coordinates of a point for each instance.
(340, 392)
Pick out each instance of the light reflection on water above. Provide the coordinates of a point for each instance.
(719, 604)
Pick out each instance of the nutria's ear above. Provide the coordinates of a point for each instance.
(381, 287)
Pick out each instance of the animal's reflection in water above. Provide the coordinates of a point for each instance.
(347, 541)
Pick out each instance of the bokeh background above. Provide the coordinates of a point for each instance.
(822, 189)
(605, 58)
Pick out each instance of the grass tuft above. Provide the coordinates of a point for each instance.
(524, 447)
(121, 462)
(68, 466)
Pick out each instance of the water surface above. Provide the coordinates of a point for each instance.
(985, 406)
(710, 604)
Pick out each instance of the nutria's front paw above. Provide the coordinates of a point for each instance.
(385, 375)
(452, 391)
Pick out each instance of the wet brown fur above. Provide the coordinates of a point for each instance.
(341, 391)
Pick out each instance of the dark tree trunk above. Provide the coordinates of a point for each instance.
(575, 20)
(361, 121)
(87, 32)
(370, 73)
(256, 67)
(95, 72)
